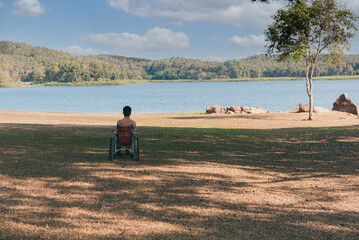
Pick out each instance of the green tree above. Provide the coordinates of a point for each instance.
(306, 29)
(267, 1)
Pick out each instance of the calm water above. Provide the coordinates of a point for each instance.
(175, 97)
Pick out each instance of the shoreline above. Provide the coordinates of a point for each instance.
(146, 81)
(281, 120)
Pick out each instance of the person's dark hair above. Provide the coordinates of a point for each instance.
(127, 111)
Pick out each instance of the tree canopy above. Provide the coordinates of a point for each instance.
(267, 1)
(306, 29)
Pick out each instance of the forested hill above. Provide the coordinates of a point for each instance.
(23, 63)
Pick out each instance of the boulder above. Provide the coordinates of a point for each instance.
(303, 107)
(344, 104)
(234, 109)
(257, 110)
(320, 110)
(264, 110)
(216, 110)
(245, 109)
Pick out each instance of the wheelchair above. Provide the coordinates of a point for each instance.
(124, 142)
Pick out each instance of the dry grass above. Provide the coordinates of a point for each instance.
(199, 182)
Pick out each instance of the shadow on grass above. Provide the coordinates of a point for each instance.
(56, 182)
(325, 150)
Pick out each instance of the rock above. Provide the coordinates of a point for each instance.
(344, 104)
(245, 109)
(216, 110)
(253, 110)
(257, 110)
(303, 107)
(234, 109)
(320, 110)
(264, 110)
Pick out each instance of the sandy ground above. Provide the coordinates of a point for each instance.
(290, 119)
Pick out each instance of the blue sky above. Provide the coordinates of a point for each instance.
(215, 30)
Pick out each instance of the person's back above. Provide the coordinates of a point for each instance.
(127, 121)
(125, 141)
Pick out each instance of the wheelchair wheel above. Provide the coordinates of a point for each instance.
(136, 150)
(111, 153)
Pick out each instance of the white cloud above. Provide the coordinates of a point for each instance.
(252, 41)
(156, 39)
(29, 8)
(240, 13)
(135, 7)
(119, 4)
(77, 50)
(2, 5)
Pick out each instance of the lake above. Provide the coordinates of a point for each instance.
(175, 97)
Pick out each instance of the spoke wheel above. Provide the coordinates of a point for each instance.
(136, 150)
(111, 153)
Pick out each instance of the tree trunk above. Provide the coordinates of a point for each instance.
(310, 95)
(309, 85)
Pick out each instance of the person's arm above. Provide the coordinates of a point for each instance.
(134, 126)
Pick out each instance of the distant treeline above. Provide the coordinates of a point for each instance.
(21, 62)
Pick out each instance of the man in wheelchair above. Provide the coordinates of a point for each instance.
(124, 141)
(126, 121)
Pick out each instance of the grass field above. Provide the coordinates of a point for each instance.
(273, 176)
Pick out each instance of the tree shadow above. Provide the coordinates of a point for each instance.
(56, 182)
(325, 150)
